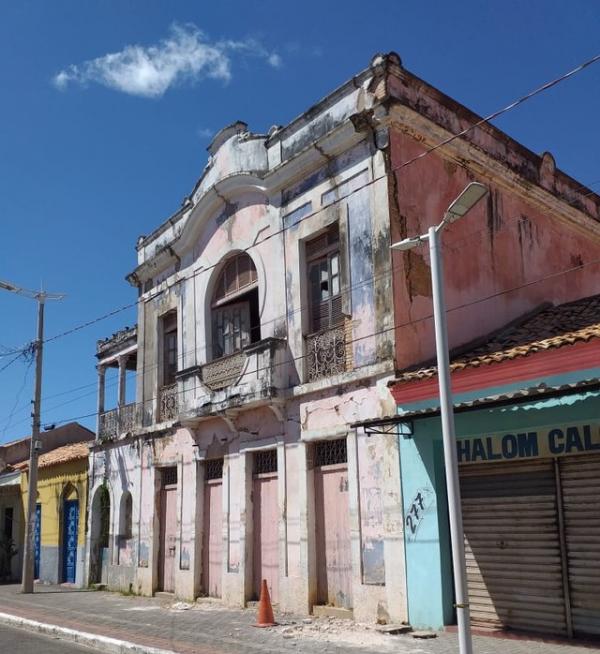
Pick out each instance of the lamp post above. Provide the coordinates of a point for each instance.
(36, 444)
(470, 196)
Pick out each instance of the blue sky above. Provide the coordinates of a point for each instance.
(107, 107)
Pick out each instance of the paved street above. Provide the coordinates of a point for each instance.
(207, 628)
(19, 641)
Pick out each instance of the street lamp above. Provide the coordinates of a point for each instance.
(470, 196)
(36, 445)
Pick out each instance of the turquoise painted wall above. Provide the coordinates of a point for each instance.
(428, 562)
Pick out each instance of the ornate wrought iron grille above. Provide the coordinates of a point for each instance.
(213, 469)
(168, 476)
(331, 452)
(169, 402)
(224, 371)
(128, 417)
(109, 424)
(265, 461)
(326, 353)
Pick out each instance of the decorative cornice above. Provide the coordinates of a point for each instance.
(467, 154)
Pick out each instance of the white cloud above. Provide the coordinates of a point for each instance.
(205, 132)
(185, 55)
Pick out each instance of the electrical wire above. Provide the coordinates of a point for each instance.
(492, 116)
(372, 335)
(488, 118)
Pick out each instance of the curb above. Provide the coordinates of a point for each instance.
(103, 643)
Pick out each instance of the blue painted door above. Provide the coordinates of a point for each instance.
(36, 541)
(70, 529)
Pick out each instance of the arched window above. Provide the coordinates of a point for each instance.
(235, 316)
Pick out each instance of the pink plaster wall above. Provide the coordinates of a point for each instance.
(505, 250)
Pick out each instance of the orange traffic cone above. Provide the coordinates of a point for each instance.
(265, 616)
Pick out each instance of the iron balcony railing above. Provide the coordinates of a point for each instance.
(118, 421)
(325, 353)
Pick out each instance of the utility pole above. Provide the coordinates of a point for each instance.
(36, 443)
(469, 197)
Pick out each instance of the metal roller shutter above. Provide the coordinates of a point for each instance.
(580, 481)
(512, 546)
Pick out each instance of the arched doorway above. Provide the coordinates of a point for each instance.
(99, 532)
(70, 533)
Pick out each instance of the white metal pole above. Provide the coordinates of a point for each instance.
(450, 458)
(29, 549)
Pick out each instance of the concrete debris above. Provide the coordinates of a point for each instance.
(393, 629)
(340, 631)
(181, 606)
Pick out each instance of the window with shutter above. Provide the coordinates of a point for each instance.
(323, 261)
(235, 314)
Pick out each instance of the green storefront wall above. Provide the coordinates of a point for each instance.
(426, 533)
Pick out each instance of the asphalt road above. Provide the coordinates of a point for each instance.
(20, 641)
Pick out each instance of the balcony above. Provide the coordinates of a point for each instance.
(326, 353)
(247, 378)
(223, 372)
(113, 423)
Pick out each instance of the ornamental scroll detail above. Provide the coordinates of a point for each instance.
(169, 403)
(326, 353)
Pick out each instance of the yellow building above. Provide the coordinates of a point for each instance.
(61, 511)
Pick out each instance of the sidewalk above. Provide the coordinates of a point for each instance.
(208, 628)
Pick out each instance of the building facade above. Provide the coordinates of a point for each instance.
(14, 457)
(528, 443)
(271, 319)
(61, 509)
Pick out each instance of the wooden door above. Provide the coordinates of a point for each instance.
(70, 533)
(168, 537)
(266, 536)
(334, 563)
(212, 547)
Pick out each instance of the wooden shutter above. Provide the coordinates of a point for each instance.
(231, 328)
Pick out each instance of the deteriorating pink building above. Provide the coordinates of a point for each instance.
(271, 318)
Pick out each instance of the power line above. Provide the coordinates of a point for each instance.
(371, 335)
(17, 397)
(488, 118)
(204, 347)
(493, 115)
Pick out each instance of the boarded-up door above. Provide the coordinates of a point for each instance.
(168, 530)
(580, 482)
(266, 523)
(70, 533)
(512, 546)
(334, 563)
(212, 535)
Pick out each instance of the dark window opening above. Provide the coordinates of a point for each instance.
(331, 452)
(214, 469)
(235, 310)
(169, 476)
(169, 348)
(8, 522)
(265, 461)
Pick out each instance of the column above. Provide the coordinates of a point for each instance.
(122, 378)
